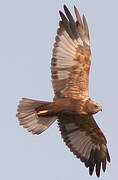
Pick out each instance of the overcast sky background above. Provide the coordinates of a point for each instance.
(27, 33)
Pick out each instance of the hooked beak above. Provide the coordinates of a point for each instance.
(101, 109)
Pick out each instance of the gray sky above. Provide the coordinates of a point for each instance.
(27, 33)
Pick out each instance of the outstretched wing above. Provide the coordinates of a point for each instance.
(85, 139)
(71, 57)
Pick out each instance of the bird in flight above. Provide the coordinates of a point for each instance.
(71, 106)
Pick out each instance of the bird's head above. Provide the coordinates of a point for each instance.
(93, 107)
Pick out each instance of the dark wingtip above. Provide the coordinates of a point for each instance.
(65, 7)
(104, 165)
(60, 12)
(98, 168)
(108, 157)
(68, 13)
(62, 15)
(91, 169)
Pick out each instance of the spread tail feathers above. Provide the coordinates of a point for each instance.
(33, 115)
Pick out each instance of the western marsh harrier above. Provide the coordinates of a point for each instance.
(72, 106)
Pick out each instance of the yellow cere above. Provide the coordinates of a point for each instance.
(42, 112)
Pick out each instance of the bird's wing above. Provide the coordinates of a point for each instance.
(71, 59)
(85, 139)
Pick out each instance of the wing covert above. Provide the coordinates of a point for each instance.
(71, 57)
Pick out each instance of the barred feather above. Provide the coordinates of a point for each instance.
(28, 116)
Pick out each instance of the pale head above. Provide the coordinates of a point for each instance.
(93, 107)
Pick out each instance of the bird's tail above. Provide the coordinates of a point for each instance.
(34, 115)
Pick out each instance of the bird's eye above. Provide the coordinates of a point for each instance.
(96, 106)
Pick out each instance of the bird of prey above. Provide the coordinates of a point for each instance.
(71, 106)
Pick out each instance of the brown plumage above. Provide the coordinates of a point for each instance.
(72, 105)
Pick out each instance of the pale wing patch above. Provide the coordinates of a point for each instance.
(65, 47)
(63, 60)
(63, 63)
(60, 74)
(65, 40)
(78, 140)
